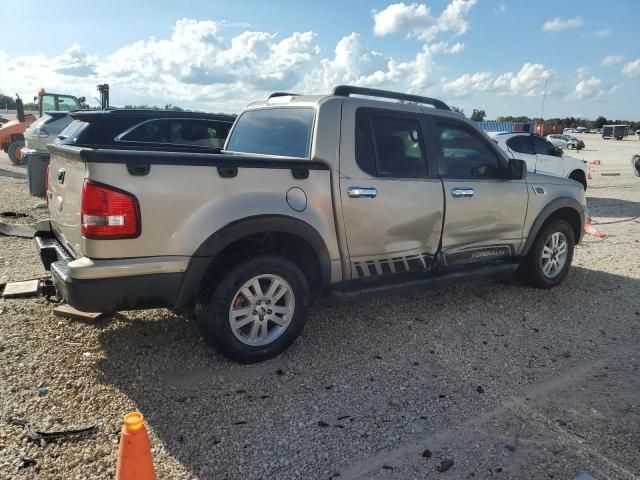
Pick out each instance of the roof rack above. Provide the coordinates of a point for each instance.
(347, 90)
(283, 94)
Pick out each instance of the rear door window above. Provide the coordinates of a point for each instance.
(198, 132)
(153, 131)
(390, 145)
(464, 153)
(521, 144)
(543, 147)
(284, 132)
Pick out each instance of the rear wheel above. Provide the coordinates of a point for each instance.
(256, 311)
(15, 152)
(550, 257)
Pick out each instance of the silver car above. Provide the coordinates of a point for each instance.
(566, 141)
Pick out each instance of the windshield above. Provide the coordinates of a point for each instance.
(59, 103)
(284, 132)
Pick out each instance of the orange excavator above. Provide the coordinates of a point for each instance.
(12, 133)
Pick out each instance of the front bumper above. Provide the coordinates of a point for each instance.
(105, 294)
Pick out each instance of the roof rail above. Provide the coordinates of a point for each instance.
(283, 94)
(347, 90)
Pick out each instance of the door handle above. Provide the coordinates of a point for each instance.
(61, 173)
(462, 192)
(362, 192)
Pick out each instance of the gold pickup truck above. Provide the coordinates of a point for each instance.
(358, 191)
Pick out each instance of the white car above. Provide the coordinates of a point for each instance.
(542, 156)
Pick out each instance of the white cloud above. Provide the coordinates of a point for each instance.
(603, 32)
(467, 83)
(585, 88)
(415, 19)
(500, 9)
(582, 72)
(195, 66)
(632, 69)
(589, 88)
(444, 47)
(196, 55)
(559, 24)
(611, 60)
(400, 17)
(356, 64)
(525, 82)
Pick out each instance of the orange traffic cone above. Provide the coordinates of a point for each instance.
(591, 230)
(134, 455)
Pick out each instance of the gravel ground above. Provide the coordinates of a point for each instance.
(506, 381)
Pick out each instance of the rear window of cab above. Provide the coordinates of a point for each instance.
(284, 132)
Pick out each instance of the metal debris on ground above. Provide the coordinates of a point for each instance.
(21, 289)
(38, 435)
(16, 231)
(13, 214)
(444, 465)
(584, 476)
(70, 312)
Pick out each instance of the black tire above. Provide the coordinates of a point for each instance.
(578, 176)
(530, 270)
(635, 163)
(13, 150)
(212, 309)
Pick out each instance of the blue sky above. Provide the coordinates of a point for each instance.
(218, 56)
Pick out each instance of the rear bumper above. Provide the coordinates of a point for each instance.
(107, 294)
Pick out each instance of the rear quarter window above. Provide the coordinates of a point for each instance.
(284, 132)
(71, 133)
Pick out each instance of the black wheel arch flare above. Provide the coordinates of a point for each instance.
(239, 229)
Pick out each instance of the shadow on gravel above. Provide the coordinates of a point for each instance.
(365, 374)
(612, 207)
(12, 174)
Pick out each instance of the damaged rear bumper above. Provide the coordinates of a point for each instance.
(77, 280)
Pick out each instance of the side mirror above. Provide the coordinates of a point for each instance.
(558, 152)
(516, 169)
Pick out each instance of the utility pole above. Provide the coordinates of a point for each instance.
(544, 96)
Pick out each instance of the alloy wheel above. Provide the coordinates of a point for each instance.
(554, 254)
(261, 310)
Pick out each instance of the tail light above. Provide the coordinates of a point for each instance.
(108, 213)
(46, 185)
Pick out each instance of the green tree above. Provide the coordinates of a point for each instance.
(517, 119)
(457, 109)
(478, 115)
(600, 121)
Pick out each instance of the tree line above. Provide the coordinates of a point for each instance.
(566, 122)
(9, 103)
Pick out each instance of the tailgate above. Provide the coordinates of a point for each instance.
(67, 172)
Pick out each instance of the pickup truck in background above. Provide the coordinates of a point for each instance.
(342, 194)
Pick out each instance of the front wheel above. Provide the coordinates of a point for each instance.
(550, 257)
(256, 311)
(15, 152)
